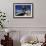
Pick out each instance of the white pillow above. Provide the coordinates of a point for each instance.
(24, 39)
(27, 38)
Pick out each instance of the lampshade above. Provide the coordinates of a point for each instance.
(7, 30)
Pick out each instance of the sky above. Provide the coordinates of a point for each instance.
(19, 7)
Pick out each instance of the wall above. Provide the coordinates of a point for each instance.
(39, 13)
(37, 23)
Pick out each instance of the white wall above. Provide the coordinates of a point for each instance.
(39, 13)
(25, 25)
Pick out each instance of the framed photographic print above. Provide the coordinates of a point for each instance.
(22, 9)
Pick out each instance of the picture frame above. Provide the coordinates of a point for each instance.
(22, 9)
